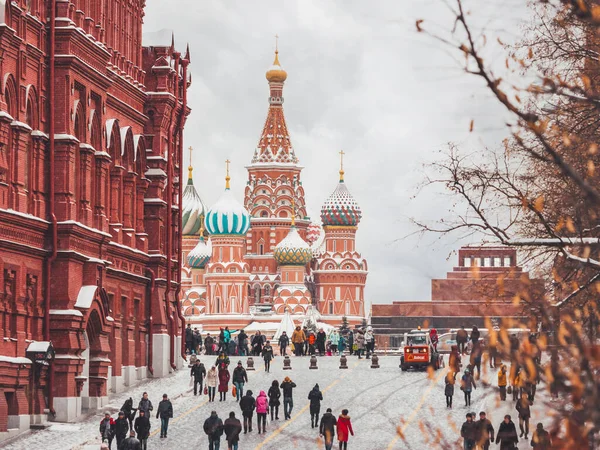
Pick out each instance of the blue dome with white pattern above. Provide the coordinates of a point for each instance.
(227, 216)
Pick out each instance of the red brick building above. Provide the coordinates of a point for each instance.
(485, 284)
(91, 131)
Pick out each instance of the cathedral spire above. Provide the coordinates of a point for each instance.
(275, 145)
(190, 168)
(342, 166)
(227, 177)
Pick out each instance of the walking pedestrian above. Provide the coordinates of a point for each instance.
(360, 343)
(523, 408)
(344, 426)
(305, 344)
(284, 341)
(232, 429)
(197, 342)
(257, 344)
(467, 385)
(312, 341)
(334, 338)
(327, 428)
(243, 343)
(247, 405)
(485, 432)
(502, 382)
(507, 434)
(320, 341)
(131, 443)
(121, 428)
(288, 403)
(165, 412)
(462, 337)
(454, 360)
(222, 347)
(267, 354)
(262, 408)
(239, 378)
(475, 359)
(213, 427)
(468, 432)
(209, 344)
(189, 338)
(475, 335)
(145, 405)
(493, 353)
(222, 359)
(129, 411)
(369, 341)
(341, 344)
(541, 438)
(351, 342)
(515, 381)
(274, 395)
(315, 396)
(107, 429)
(142, 428)
(198, 373)
(449, 389)
(298, 339)
(211, 383)
(223, 382)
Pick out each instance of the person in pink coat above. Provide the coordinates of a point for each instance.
(262, 407)
(344, 426)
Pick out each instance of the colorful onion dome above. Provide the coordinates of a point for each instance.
(276, 74)
(227, 216)
(292, 250)
(340, 209)
(313, 232)
(199, 255)
(193, 209)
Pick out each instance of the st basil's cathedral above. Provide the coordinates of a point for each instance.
(253, 262)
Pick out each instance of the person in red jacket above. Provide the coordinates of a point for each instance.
(344, 426)
(107, 429)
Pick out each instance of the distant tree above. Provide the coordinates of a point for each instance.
(344, 328)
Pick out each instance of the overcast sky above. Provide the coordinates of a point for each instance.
(361, 79)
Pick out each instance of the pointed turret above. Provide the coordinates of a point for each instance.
(193, 208)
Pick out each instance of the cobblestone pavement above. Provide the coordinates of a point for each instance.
(380, 402)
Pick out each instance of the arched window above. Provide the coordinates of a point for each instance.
(267, 290)
(256, 294)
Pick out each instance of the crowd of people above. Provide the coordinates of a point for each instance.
(519, 381)
(302, 342)
(132, 432)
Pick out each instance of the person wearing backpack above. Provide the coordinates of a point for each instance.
(213, 427)
(262, 407)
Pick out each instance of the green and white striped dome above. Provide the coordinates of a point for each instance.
(292, 250)
(199, 256)
(227, 216)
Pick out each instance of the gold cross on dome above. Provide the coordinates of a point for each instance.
(227, 178)
(190, 168)
(342, 153)
(276, 43)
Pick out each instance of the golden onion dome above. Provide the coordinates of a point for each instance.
(276, 74)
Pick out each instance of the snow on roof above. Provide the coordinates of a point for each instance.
(13, 360)
(262, 326)
(86, 296)
(38, 346)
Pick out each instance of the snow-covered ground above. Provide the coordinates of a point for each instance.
(380, 402)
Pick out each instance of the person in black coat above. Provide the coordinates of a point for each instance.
(165, 412)
(189, 338)
(274, 394)
(320, 341)
(129, 411)
(469, 432)
(247, 405)
(284, 341)
(198, 372)
(327, 428)
(541, 439)
(121, 428)
(232, 428)
(267, 354)
(130, 443)
(257, 344)
(213, 427)
(197, 342)
(142, 428)
(523, 408)
(243, 343)
(507, 434)
(485, 432)
(475, 335)
(315, 396)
